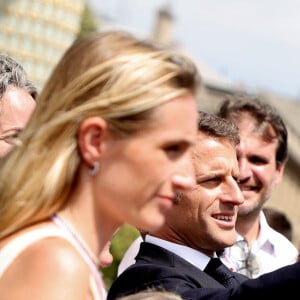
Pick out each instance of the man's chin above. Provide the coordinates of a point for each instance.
(245, 211)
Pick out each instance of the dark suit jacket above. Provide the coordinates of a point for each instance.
(159, 268)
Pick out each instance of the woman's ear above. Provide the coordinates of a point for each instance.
(91, 134)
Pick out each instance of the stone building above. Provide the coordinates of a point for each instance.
(37, 32)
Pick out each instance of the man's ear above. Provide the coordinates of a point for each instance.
(279, 173)
(91, 135)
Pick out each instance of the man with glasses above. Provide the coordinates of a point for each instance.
(17, 102)
(262, 154)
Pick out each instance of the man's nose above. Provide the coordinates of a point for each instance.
(244, 169)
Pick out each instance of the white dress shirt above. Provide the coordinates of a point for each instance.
(272, 250)
(193, 256)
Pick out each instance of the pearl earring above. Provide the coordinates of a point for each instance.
(93, 170)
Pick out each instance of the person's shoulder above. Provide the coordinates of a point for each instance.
(44, 243)
(278, 237)
(281, 242)
(54, 259)
(60, 252)
(50, 268)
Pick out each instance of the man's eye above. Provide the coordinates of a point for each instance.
(173, 148)
(258, 160)
(211, 181)
(214, 179)
(11, 137)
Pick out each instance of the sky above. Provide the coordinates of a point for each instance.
(252, 43)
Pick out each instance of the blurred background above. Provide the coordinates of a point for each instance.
(249, 46)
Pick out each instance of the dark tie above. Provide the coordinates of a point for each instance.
(216, 269)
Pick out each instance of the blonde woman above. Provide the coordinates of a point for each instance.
(109, 142)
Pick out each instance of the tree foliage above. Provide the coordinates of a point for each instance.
(121, 241)
(88, 22)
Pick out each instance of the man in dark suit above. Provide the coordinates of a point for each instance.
(181, 257)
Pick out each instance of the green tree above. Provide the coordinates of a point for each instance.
(121, 241)
(88, 22)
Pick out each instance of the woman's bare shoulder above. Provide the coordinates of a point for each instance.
(50, 268)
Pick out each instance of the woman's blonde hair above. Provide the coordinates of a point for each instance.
(111, 74)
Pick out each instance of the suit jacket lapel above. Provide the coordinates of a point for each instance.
(154, 254)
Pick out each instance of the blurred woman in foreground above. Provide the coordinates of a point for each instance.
(108, 143)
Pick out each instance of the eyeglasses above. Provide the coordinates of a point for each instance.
(11, 136)
(246, 261)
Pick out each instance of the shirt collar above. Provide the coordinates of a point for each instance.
(197, 258)
(264, 239)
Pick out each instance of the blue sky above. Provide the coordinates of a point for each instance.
(254, 43)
